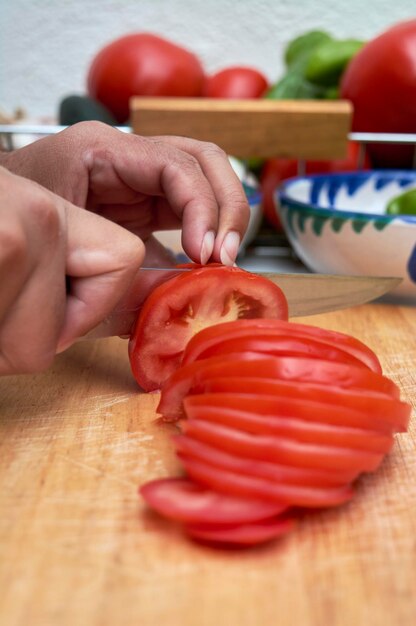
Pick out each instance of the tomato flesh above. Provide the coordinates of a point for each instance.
(193, 448)
(275, 328)
(182, 500)
(291, 427)
(281, 450)
(244, 534)
(189, 302)
(230, 483)
(197, 374)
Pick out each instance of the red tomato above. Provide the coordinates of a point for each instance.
(280, 449)
(292, 427)
(235, 82)
(186, 446)
(185, 304)
(207, 338)
(380, 81)
(276, 170)
(328, 407)
(244, 534)
(194, 376)
(243, 486)
(183, 500)
(142, 64)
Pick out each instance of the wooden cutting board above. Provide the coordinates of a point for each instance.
(78, 548)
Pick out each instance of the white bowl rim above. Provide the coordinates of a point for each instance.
(283, 194)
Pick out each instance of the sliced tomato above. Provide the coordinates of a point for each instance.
(239, 485)
(362, 410)
(243, 534)
(180, 383)
(187, 446)
(281, 450)
(194, 375)
(207, 338)
(189, 302)
(183, 500)
(293, 428)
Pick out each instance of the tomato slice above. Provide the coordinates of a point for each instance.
(244, 534)
(183, 500)
(281, 449)
(252, 364)
(239, 485)
(291, 427)
(207, 338)
(362, 410)
(187, 446)
(189, 302)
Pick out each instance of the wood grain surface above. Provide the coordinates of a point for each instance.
(79, 548)
(303, 129)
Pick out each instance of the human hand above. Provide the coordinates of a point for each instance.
(43, 240)
(145, 184)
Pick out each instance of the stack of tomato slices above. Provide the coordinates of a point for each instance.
(276, 417)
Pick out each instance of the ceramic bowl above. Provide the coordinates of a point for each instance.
(337, 224)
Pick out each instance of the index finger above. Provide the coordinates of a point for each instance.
(233, 207)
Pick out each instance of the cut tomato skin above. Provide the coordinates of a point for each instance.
(240, 485)
(189, 447)
(189, 302)
(209, 337)
(182, 500)
(244, 534)
(277, 414)
(293, 428)
(369, 410)
(282, 450)
(194, 375)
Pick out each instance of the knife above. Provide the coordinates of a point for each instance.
(307, 294)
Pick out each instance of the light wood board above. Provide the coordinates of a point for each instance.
(78, 548)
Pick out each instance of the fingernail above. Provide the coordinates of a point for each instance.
(229, 248)
(207, 246)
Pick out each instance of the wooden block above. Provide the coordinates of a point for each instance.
(305, 129)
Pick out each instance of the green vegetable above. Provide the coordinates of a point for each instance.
(76, 108)
(301, 47)
(328, 61)
(403, 204)
(294, 87)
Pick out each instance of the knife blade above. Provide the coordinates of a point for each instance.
(307, 294)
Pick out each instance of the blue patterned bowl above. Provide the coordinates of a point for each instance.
(337, 224)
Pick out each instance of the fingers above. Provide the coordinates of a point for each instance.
(232, 206)
(43, 239)
(102, 260)
(166, 179)
(32, 276)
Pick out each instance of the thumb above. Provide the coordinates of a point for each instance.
(102, 259)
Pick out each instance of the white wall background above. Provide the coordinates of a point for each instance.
(46, 45)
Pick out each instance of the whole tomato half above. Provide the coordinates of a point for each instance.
(142, 64)
(276, 170)
(380, 81)
(236, 82)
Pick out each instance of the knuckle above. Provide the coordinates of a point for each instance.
(12, 247)
(212, 150)
(46, 216)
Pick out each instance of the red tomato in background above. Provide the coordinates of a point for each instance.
(142, 64)
(277, 170)
(380, 81)
(235, 82)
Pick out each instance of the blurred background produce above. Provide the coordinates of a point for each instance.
(72, 61)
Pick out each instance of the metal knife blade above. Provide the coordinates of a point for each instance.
(307, 294)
